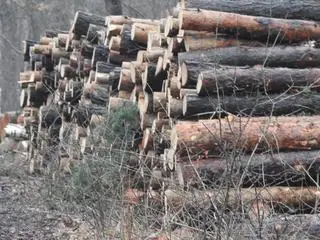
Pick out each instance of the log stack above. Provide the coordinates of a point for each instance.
(227, 95)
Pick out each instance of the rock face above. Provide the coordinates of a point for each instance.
(21, 20)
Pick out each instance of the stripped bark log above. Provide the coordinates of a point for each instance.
(247, 134)
(291, 9)
(249, 27)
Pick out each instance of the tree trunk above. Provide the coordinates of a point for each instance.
(194, 44)
(100, 53)
(258, 170)
(49, 115)
(248, 134)
(293, 57)
(291, 9)
(229, 80)
(281, 199)
(152, 82)
(249, 27)
(127, 45)
(97, 94)
(95, 34)
(275, 105)
(82, 22)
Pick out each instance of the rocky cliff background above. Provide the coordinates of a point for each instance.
(27, 19)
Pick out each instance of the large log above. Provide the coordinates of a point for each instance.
(249, 27)
(292, 57)
(291, 9)
(247, 134)
(82, 21)
(264, 105)
(100, 53)
(49, 115)
(258, 170)
(229, 80)
(97, 94)
(281, 199)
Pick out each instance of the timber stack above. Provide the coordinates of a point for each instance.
(226, 94)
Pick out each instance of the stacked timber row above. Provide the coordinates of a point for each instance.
(227, 95)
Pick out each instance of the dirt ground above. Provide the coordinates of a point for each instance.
(25, 212)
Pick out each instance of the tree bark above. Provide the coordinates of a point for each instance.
(264, 105)
(82, 21)
(291, 9)
(100, 53)
(250, 27)
(258, 170)
(229, 80)
(247, 134)
(292, 57)
(49, 115)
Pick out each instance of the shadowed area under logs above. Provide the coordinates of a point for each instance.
(208, 118)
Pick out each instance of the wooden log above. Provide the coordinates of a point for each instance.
(49, 115)
(95, 34)
(175, 107)
(114, 43)
(120, 20)
(125, 82)
(66, 71)
(152, 82)
(187, 91)
(86, 49)
(172, 27)
(191, 43)
(229, 80)
(159, 102)
(57, 53)
(149, 56)
(42, 49)
(139, 32)
(97, 94)
(174, 87)
(100, 53)
(258, 170)
(276, 105)
(147, 141)
(292, 57)
(117, 58)
(136, 70)
(62, 39)
(295, 9)
(82, 21)
(279, 198)
(35, 98)
(155, 40)
(147, 105)
(127, 45)
(82, 114)
(248, 134)
(113, 30)
(26, 45)
(250, 27)
(23, 98)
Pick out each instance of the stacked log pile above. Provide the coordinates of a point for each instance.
(227, 95)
